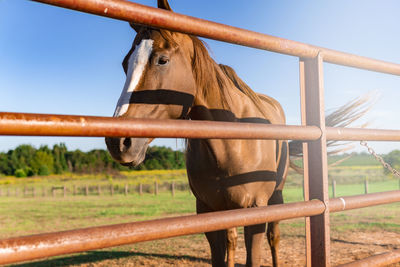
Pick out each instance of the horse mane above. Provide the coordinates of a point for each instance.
(245, 89)
(215, 80)
(209, 77)
(212, 78)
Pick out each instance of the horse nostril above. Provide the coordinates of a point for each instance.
(127, 142)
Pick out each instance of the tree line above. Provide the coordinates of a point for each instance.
(26, 160)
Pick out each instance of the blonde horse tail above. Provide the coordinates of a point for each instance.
(341, 117)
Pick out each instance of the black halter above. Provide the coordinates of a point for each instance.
(164, 97)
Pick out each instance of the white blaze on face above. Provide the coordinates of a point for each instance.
(136, 64)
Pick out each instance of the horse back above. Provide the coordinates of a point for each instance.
(276, 113)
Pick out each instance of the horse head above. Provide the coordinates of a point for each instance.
(159, 85)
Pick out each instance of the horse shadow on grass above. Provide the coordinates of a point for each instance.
(97, 256)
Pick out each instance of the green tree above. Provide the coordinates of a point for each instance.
(60, 162)
(21, 157)
(162, 158)
(5, 165)
(43, 162)
(20, 173)
(25, 160)
(77, 160)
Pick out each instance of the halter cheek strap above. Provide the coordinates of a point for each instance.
(164, 97)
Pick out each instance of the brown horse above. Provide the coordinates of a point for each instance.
(171, 76)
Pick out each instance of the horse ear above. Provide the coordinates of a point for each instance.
(136, 27)
(163, 4)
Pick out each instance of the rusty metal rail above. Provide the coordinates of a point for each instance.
(68, 125)
(383, 259)
(65, 125)
(363, 201)
(128, 11)
(51, 244)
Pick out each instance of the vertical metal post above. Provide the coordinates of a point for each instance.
(126, 189)
(173, 188)
(140, 189)
(366, 185)
(306, 193)
(315, 158)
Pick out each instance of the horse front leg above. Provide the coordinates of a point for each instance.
(217, 239)
(254, 237)
(217, 242)
(273, 232)
(231, 246)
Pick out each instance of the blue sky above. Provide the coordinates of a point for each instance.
(54, 60)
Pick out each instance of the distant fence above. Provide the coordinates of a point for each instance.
(93, 190)
(317, 204)
(122, 189)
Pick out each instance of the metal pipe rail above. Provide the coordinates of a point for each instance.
(73, 241)
(133, 12)
(376, 260)
(68, 125)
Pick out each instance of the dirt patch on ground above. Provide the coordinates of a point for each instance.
(193, 250)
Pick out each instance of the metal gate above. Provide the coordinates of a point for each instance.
(315, 208)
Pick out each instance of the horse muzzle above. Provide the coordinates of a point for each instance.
(126, 150)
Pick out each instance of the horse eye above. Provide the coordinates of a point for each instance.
(162, 60)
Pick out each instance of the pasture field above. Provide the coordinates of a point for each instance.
(355, 234)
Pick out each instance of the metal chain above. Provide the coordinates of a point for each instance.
(380, 159)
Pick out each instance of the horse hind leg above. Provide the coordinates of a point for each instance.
(231, 246)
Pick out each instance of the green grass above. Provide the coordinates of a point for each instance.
(385, 217)
(367, 219)
(358, 160)
(19, 216)
(22, 215)
(294, 193)
(373, 187)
